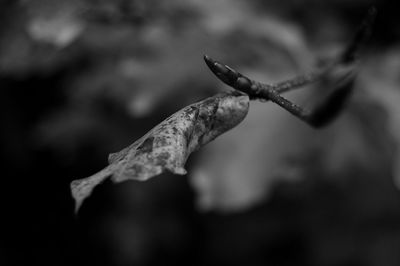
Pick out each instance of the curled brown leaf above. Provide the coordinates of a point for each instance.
(168, 145)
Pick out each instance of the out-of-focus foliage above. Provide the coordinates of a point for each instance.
(84, 78)
(381, 78)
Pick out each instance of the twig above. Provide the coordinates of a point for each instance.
(339, 75)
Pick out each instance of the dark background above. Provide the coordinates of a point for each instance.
(69, 96)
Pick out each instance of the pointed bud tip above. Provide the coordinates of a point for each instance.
(209, 61)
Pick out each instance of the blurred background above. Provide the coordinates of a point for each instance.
(83, 78)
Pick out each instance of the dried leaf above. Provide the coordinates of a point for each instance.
(168, 145)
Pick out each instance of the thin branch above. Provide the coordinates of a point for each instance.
(339, 75)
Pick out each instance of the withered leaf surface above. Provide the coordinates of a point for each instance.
(168, 145)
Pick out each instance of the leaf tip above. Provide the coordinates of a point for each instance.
(82, 188)
(80, 191)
